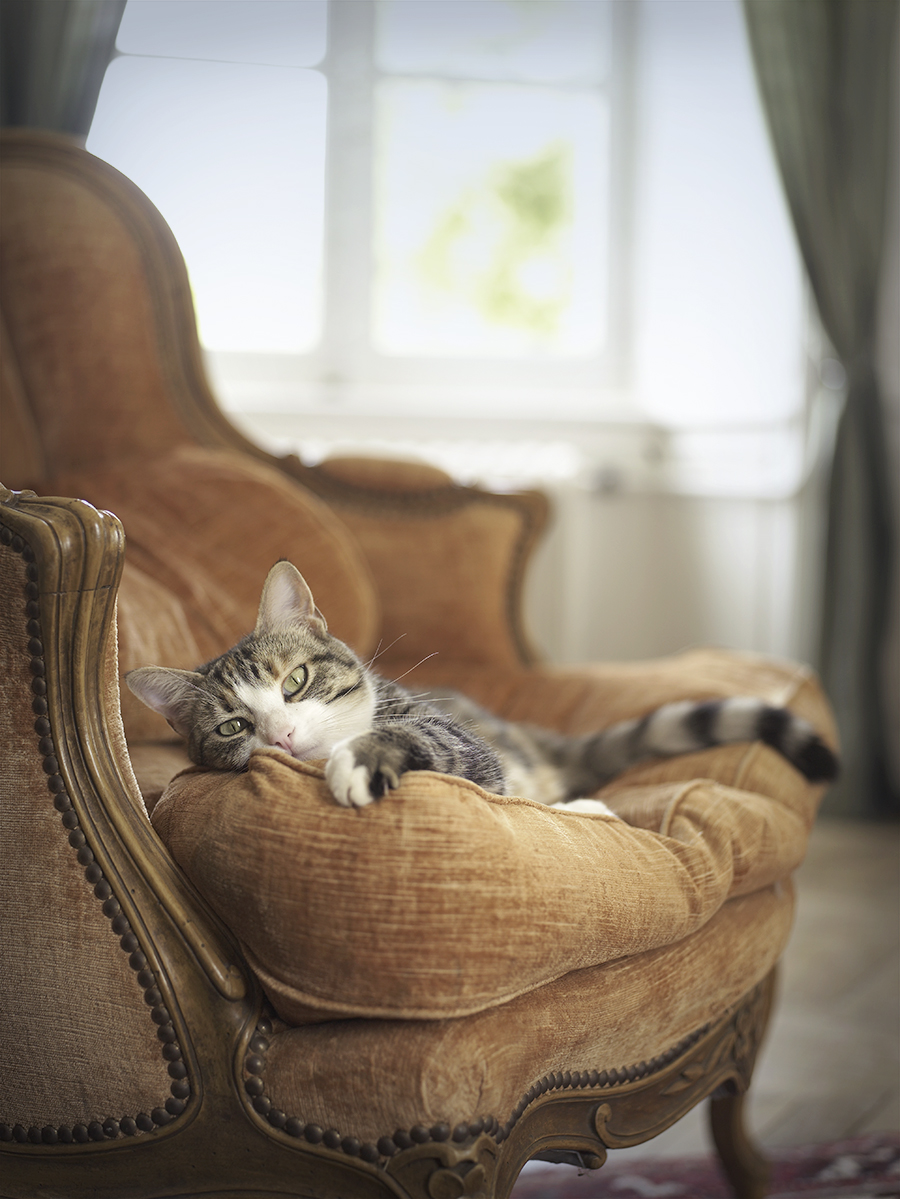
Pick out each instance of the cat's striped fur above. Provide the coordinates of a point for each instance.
(292, 685)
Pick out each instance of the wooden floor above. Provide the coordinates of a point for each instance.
(830, 1066)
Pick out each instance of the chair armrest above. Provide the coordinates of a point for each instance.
(70, 556)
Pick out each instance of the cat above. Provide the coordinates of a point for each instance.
(292, 685)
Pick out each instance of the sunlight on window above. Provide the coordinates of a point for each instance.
(233, 155)
(208, 143)
(537, 41)
(490, 207)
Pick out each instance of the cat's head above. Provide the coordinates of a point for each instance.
(288, 684)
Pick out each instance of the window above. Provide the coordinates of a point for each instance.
(516, 211)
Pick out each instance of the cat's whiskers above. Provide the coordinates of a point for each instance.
(379, 651)
(416, 667)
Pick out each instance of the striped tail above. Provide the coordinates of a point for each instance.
(687, 726)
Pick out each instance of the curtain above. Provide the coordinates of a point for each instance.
(824, 69)
(54, 54)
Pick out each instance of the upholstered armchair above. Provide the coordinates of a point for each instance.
(225, 984)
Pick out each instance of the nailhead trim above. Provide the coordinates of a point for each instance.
(388, 1146)
(180, 1089)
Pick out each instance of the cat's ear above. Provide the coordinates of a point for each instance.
(167, 691)
(287, 601)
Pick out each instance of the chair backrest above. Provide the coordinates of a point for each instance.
(85, 315)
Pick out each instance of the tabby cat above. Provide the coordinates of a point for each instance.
(292, 685)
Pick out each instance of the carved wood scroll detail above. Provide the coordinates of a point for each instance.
(725, 1056)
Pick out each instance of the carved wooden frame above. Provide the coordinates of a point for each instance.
(221, 1139)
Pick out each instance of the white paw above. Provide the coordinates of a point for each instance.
(588, 807)
(349, 783)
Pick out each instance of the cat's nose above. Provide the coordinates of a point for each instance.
(283, 741)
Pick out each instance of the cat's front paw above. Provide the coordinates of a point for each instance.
(360, 771)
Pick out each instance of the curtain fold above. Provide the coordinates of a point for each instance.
(824, 69)
(54, 55)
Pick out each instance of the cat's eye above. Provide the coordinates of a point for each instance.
(231, 727)
(295, 682)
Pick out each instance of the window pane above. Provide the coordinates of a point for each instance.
(234, 158)
(280, 32)
(490, 220)
(565, 41)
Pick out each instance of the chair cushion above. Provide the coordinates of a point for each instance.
(442, 900)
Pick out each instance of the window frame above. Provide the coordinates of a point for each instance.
(345, 373)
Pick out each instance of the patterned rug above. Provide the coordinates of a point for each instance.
(850, 1169)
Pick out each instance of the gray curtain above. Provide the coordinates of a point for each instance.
(53, 55)
(824, 69)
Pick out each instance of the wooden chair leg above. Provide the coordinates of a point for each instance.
(746, 1168)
